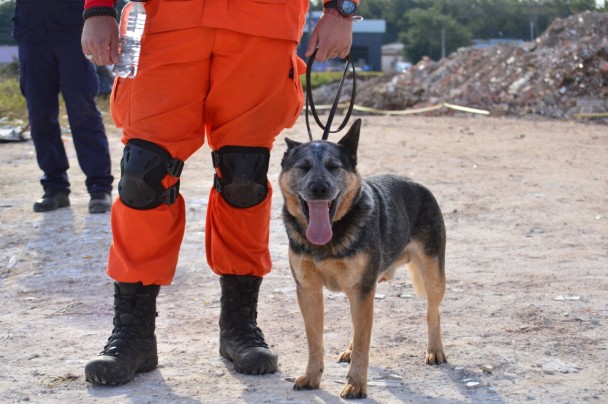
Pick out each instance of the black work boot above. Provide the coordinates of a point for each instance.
(132, 346)
(52, 200)
(241, 341)
(100, 202)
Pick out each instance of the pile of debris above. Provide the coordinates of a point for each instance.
(563, 74)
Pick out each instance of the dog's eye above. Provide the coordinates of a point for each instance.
(304, 167)
(332, 166)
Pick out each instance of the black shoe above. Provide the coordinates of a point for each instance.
(131, 348)
(241, 341)
(101, 202)
(51, 201)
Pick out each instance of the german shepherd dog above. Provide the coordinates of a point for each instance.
(347, 233)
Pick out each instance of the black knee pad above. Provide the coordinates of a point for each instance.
(242, 181)
(142, 168)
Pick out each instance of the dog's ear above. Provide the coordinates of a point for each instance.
(291, 143)
(350, 141)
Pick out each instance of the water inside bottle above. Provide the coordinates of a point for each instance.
(130, 44)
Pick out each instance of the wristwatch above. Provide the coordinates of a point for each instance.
(347, 8)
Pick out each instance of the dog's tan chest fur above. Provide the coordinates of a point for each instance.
(335, 274)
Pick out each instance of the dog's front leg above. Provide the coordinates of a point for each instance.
(362, 311)
(310, 299)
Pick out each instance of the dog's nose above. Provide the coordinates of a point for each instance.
(319, 189)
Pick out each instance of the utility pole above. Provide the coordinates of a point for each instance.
(442, 42)
(531, 30)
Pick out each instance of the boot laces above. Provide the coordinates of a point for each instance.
(129, 327)
(248, 337)
(238, 319)
(243, 326)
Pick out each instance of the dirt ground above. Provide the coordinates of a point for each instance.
(525, 316)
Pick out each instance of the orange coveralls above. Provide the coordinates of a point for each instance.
(224, 70)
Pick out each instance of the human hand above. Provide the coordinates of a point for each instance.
(100, 40)
(333, 36)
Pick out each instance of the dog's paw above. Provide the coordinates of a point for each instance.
(436, 358)
(353, 391)
(345, 356)
(305, 382)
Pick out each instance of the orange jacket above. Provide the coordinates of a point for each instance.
(282, 19)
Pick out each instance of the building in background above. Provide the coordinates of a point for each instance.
(393, 58)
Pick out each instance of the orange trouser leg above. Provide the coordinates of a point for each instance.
(255, 94)
(238, 90)
(163, 104)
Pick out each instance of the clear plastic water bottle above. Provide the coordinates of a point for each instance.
(132, 22)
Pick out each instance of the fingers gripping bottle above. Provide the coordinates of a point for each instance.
(132, 22)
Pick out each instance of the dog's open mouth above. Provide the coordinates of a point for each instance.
(319, 214)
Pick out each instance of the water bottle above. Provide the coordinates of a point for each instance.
(132, 22)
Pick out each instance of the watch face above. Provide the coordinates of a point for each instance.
(348, 7)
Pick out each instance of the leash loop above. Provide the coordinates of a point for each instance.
(309, 101)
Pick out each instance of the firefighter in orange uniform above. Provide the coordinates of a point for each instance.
(221, 70)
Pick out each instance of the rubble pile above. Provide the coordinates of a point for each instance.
(563, 74)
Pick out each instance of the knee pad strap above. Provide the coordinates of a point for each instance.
(242, 180)
(143, 166)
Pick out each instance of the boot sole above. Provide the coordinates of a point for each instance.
(102, 375)
(40, 208)
(255, 368)
(99, 208)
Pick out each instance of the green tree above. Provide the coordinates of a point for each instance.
(492, 18)
(7, 10)
(392, 11)
(430, 32)
(406, 20)
(543, 12)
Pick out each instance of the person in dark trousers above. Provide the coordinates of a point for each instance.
(51, 62)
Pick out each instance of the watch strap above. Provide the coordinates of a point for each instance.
(338, 6)
(336, 13)
(99, 11)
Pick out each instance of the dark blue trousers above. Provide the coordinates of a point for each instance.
(50, 67)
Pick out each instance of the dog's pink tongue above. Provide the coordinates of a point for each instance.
(319, 228)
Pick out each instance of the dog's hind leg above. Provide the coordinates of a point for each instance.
(362, 312)
(428, 275)
(346, 354)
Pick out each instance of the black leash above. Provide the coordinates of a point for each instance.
(327, 127)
